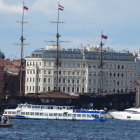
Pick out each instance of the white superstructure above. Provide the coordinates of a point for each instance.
(127, 114)
(29, 111)
(79, 71)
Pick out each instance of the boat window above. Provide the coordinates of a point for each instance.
(78, 115)
(32, 113)
(55, 114)
(96, 116)
(51, 114)
(41, 114)
(5, 112)
(74, 115)
(48, 107)
(89, 116)
(83, 115)
(36, 113)
(128, 117)
(19, 106)
(22, 113)
(65, 114)
(59, 114)
(9, 112)
(27, 113)
(69, 115)
(28, 106)
(45, 114)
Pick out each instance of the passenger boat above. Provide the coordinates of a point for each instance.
(127, 114)
(29, 111)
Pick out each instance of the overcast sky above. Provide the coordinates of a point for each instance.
(84, 21)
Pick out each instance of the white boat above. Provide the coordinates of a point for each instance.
(29, 111)
(127, 114)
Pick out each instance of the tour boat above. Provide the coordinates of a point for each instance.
(127, 114)
(29, 111)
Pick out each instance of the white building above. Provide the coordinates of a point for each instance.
(79, 71)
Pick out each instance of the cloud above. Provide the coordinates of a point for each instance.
(46, 7)
(5, 8)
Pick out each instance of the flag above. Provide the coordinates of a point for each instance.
(104, 37)
(25, 8)
(60, 7)
(135, 83)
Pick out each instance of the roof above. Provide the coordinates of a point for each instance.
(10, 66)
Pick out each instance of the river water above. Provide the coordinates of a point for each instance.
(71, 130)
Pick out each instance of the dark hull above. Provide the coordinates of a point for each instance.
(6, 125)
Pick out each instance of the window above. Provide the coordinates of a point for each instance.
(44, 80)
(48, 88)
(49, 80)
(78, 89)
(63, 89)
(44, 71)
(68, 89)
(72, 89)
(77, 81)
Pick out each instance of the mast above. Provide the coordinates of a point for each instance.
(58, 63)
(101, 66)
(57, 52)
(21, 53)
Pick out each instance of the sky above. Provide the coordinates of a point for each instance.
(83, 23)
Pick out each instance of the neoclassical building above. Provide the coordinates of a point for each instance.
(79, 71)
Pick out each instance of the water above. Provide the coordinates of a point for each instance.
(71, 130)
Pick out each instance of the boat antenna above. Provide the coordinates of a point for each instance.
(22, 22)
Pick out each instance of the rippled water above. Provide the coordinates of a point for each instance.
(71, 130)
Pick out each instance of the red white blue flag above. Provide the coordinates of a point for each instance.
(25, 8)
(104, 37)
(135, 83)
(60, 7)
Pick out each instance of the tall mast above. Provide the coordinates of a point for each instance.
(21, 53)
(57, 52)
(101, 66)
(58, 63)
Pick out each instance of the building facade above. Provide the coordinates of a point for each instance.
(79, 71)
(9, 76)
(1, 77)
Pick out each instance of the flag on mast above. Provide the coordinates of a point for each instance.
(136, 83)
(104, 37)
(60, 7)
(25, 8)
